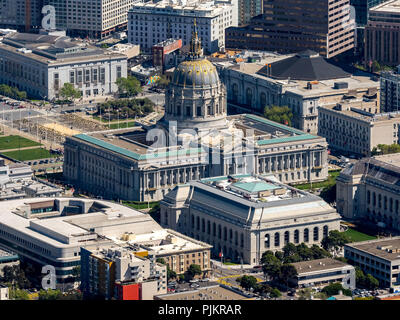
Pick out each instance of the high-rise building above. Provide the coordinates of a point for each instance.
(390, 91)
(382, 34)
(362, 7)
(23, 15)
(151, 23)
(292, 26)
(248, 9)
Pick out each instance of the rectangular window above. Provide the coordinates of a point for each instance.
(72, 76)
(56, 81)
(94, 75)
(102, 75)
(79, 77)
(119, 73)
(87, 75)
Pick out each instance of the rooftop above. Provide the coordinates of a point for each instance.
(387, 248)
(318, 265)
(392, 7)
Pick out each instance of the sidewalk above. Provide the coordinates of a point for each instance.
(220, 265)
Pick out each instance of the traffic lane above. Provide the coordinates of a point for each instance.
(18, 114)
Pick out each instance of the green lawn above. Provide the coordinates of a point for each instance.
(121, 125)
(12, 142)
(29, 154)
(230, 263)
(140, 205)
(356, 236)
(323, 184)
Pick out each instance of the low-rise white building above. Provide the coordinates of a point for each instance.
(42, 64)
(152, 22)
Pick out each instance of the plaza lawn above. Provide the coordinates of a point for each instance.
(121, 125)
(13, 142)
(331, 181)
(356, 236)
(29, 154)
(140, 205)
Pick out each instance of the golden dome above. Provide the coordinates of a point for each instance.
(195, 73)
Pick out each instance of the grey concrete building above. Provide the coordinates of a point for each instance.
(41, 64)
(195, 139)
(378, 257)
(369, 190)
(322, 272)
(390, 91)
(243, 216)
(354, 129)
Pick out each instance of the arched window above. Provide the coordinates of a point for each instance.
(203, 225)
(379, 201)
(219, 231)
(249, 96)
(241, 240)
(385, 202)
(208, 227)
(230, 234)
(263, 100)
(306, 235)
(391, 205)
(235, 92)
(276, 239)
(373, 198)
(266, 241)
(296, 236)
(325, 231)
(316, 234)
(236, 238)
(214, 229)
(286, 237)
(368, 197)
(225, 234)
(198, 223)
(192, 221)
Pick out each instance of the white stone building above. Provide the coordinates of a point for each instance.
(243, 216)
(152, 22)
(42, 64)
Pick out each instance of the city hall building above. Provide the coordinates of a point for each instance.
(195, 139)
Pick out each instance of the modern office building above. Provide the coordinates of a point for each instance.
(195, 139)
(325, 27)
(369, 190)
(150, 23)
(23, 15)
(120, 274)
(357, 130)
(51, 231)
(378, 257)
(322, 272)
(390, 91)
(382, 34)
(303, 82)
(362, 9)
(248, 9)
(42, 64)
(243, 216)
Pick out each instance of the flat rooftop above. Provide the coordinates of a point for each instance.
(318, 265)
(216, 292)
(357, 113)
(254, 188)
(387, 248)
(392, 7)
(393, 159)
(132, 142)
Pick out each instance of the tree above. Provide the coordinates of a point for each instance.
(334, 288)
(128, 87)
(335, 241)
(16, 276)
(318, 252)
(275, 293)
(270, 264)
(68, 92)
(371, 283)
(76, 273)
(50, 294)
(290, 254)
(385, 149)
(162, 82)
(18, 294)
(248, 282)
(192, 271)
(286, 273)
(170, 273)
(279, 114)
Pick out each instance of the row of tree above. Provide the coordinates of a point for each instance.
(385, 149)
(12, 92)
(250, 283)
(125, 108)
(279, 114)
